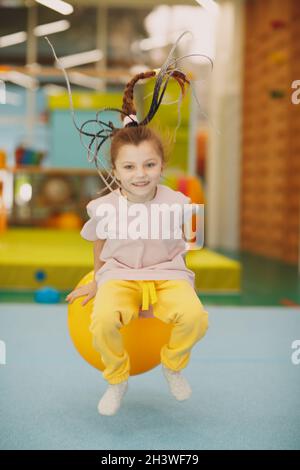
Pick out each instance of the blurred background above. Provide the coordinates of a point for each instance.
(237, 149)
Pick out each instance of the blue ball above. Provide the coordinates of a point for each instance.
(40, 275)
(47, 295)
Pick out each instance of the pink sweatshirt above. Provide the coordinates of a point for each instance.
(141, 258)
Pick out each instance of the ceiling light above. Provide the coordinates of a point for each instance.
(12, 39)
(210, 5)
(20, 79)
(58, 5)
(80, 59)
(152, 43)
(41, 30)
(138, 68)
(51, 28)
(86, 81)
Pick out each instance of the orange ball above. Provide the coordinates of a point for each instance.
(68, 220)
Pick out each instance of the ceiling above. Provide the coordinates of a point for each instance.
(109, 3)
(123, 27)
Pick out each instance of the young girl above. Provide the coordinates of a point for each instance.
(136, 275)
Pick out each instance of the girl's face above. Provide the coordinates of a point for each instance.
(138, 167)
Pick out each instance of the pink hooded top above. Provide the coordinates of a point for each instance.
(141, 258)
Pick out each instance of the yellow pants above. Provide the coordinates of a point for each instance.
(117, 302)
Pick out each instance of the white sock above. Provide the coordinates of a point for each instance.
(178, 385)
(112, 398)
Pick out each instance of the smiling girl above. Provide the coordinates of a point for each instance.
(140, 276)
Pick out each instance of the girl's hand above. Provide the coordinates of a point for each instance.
(89, 290)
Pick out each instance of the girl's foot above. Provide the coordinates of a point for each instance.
(112, 398)
(178, 385)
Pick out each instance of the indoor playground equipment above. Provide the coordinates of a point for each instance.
(2, 158)
(47, 295)
(68, 257)
(271, 172)
(143, 338)
(27, 156)
(202, 145)
(66, 220)
(189, 185)
(3, 214)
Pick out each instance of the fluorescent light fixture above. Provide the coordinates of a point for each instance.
(153, 43)
(85, 81)
(138, 68)
(80, 59)
(199, 21)
(58, 5)
(11, 39)
(51, 28)
(20, 79)
(210, 5)
(41, 30)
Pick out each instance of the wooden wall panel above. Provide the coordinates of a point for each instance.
(270, 186)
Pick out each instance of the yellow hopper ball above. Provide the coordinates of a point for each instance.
(143, 338)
